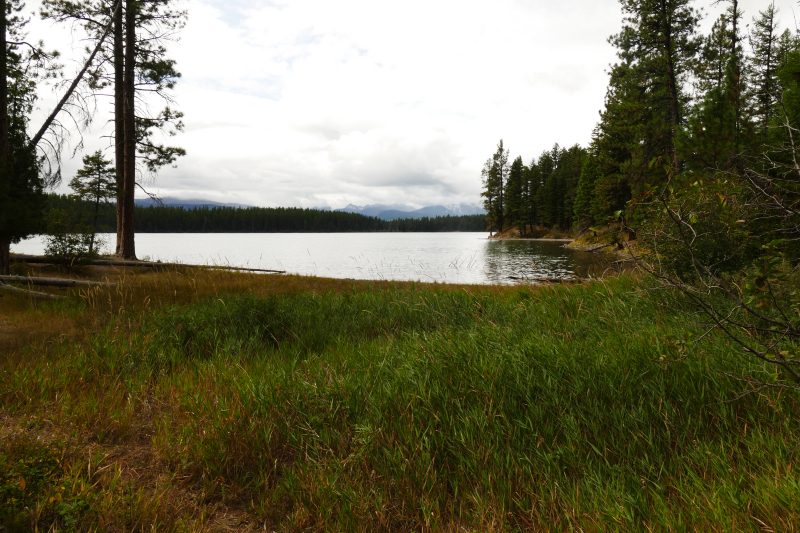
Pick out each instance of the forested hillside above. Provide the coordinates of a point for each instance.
(168, 219)
(678, 103)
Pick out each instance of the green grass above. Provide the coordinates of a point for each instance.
(417, 408)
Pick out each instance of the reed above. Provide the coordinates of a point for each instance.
(328, 405)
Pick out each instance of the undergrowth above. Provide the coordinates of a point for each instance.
(356, 407)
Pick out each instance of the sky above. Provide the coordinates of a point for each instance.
(312, 103)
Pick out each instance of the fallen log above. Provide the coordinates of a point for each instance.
(145, 264)
(626, 260)
(54, 282)
(593, 250)
(547, 280)
(32, 294)
(151, 264)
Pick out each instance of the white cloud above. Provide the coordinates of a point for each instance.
(312, 102)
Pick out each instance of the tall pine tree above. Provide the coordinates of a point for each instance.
(762, 67)
(657, 46)
(21, 186)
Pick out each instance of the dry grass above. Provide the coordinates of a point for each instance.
(155, 497)
(202, 400)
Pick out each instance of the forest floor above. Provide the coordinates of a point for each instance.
(202, 400)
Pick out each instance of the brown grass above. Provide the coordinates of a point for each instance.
(125, 444)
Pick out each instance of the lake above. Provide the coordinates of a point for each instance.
(441, 257)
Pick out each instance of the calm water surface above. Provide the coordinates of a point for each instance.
(442, 257)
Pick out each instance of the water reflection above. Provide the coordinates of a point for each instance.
(520, 261)
(441, 257)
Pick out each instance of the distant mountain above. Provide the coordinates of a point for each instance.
(375, 210)
(382, 211)
(394, 212)
(433, 211)
(452, 210)
(186, 204)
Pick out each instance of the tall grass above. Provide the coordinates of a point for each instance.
(417, 408)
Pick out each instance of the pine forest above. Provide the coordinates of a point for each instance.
(680, 107)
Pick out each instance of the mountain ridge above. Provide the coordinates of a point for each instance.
(382, 211)
(394, 212)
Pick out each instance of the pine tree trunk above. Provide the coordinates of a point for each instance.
(5, 145)
(128, 231)
(94, 222)
(672, 84)
(5, 258)
(119, 119)
(766, 88)
(490, 217)
(500, 204)
(736, 76)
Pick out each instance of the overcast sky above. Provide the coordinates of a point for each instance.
(318, 103)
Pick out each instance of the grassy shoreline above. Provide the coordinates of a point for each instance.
(213, 401)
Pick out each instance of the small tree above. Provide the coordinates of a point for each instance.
(68, 241)
(95, 183)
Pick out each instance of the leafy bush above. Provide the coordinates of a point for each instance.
(70, 242)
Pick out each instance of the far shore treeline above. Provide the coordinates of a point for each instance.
(170, 219)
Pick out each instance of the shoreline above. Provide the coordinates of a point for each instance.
(531, 239)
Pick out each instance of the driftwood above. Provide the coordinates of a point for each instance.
(547, 280)
(626, 260)
(54, 282)
(593, 250)
(151, 264)
(32, 294)
(145, 264)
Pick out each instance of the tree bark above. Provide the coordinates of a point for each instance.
(119, 119)
(5, 258)
(94, 222)
(128, 231)
(5, 145)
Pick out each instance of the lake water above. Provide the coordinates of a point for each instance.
(442, 257)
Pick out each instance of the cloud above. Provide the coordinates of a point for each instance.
(312, 102)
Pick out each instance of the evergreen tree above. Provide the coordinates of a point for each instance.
(525, 208)
(139, 66)
(21, 186)
(490, 193)
(547, 193)
(763, 64)
(714, 56)
(500, 165)
(590, 173)
(570, 166)
(173, 219)
(534, 184)
(735, 83)
(657, 46)
(95, 183)
(514, 193)
(710, 136)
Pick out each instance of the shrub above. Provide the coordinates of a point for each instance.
(70, 242)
